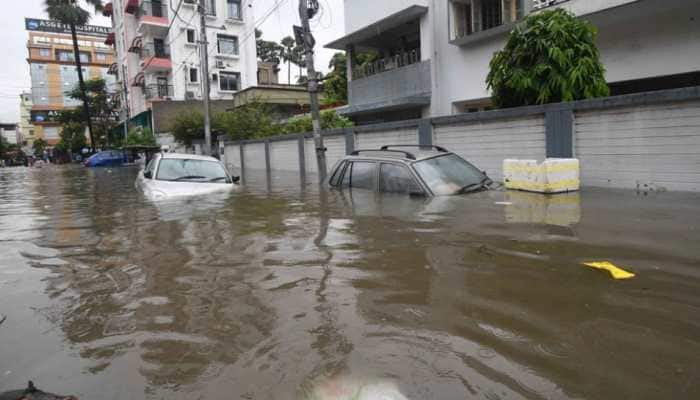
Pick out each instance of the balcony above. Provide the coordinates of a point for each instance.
(153, 18)
(385, 85)
(156, 57)
(158, 92)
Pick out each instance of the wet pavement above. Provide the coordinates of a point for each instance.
(282, 291)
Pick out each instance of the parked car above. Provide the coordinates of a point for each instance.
(106, 158)
(428, 171)
(169, 175)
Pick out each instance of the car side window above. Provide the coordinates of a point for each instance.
(395, 178)
(150, 169)
(363, 175)
(335, 179)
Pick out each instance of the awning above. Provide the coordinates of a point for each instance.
(113, 69)
(377, 28)
(139, 80)
(131, 6)
(110, 39)
(107, 10)
(136, 45)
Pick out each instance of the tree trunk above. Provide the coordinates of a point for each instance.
(289, 72)
(81, 81)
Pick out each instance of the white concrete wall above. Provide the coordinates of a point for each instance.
(232, 158)
(284, 155)
(254, 154)
(630, 147)
(487, 144)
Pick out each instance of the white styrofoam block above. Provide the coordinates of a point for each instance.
(554, 175)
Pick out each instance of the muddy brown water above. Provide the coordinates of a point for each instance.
(283, 291)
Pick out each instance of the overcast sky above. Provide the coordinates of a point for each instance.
(14, 74)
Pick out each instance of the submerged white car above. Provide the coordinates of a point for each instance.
(171, 175)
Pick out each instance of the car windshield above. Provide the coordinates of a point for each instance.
(191, 170)
(449, 174)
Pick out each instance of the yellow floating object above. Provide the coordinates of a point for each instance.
(615, 271)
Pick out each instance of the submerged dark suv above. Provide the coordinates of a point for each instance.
(425, 171)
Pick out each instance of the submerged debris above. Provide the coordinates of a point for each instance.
(615, 271)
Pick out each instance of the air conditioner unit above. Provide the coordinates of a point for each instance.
(220, 64)
(189, 95)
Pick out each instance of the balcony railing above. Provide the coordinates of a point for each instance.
(386, 64)
(155, 50)
(153, 9)
(158, 91)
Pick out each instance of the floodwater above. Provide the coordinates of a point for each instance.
(282, 291)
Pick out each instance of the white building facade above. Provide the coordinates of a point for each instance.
(157, 46)
(435, 54)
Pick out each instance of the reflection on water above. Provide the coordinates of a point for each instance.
(279, 291)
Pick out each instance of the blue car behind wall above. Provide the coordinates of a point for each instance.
(107, 158)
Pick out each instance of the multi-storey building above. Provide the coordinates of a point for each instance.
(10, 134)
(26, 128)
(53, 71)
(158, 56)
(435, 54)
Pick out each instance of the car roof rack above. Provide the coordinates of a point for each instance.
(408, 155)
(438, 148)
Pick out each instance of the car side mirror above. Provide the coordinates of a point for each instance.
(147, 174)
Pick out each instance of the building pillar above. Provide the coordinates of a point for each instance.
(559, 126)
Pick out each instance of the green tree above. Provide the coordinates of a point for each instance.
(72, 138)
(268, 51)
(69, 12)
(103, 111)
(335, 86)
(288, 54)
(39, 146)
(329, 120)
(550, 57)
(141, 137)
(253, 120)
(188, 126)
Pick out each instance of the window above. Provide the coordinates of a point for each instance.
(229, 81)
(190, 36)
(211, 7)
(362, 175)
(67, 55)
(335, 179)
(45, 52)
(51, 132)
(234, 9)
(31, 132)
(448, 174)
(194, 75)
(471, 16)
(101, 57)
(189, 170)
(395, 178)
(227, 45)
(150, 169)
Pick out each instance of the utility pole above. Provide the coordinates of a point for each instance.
(305, 13)
(204, 67)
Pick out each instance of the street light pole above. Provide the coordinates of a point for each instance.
(204, 66)
(308, 40)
